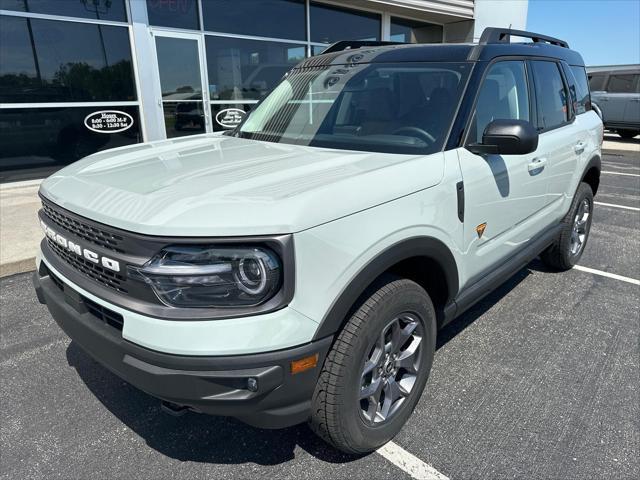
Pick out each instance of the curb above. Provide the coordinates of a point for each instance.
(18, 266)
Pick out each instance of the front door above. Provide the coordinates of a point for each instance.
(504, 194)
(185, 101)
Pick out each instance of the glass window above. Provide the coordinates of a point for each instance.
(54, 61)
(35, 142)
(179, 67)
(579, 88)
(596, 81)
(412, 31)
(550, 94)
(262, 18)
(174, 13)
(621, 83)
(247, 69)
(504, 96)
(330, 24)
(394, 108)
(99, 9)
(317, 49)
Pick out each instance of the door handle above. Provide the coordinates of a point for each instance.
(536, 165)
(579, 147)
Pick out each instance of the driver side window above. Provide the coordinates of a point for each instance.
(503, 96)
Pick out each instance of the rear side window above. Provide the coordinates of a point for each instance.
(622, 83)
(550, 95)
(504, 96)
(579, 89)
(596, 81)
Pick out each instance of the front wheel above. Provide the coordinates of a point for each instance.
(568, 247)
(377, 368)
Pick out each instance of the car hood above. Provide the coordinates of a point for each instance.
(216, 185)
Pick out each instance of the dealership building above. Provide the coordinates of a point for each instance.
(79, 76)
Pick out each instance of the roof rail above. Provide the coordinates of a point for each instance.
(503, 35)
(353, 44)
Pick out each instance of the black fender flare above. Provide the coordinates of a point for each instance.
(594, 162)
(429, 247)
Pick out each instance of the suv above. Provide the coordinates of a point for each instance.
(616, 94)
(299, 267)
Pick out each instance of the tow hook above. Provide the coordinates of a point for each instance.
(173, 409)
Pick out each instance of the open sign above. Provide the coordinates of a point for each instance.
(108, 121)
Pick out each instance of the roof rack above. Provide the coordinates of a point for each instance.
(353, 44)
(503, 35)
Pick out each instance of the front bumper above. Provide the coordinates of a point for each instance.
(210, 384)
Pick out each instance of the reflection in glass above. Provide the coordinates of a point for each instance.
(183, 118)
(412, 31)
(247, 69)
(36, 142)
(317, 50)
(173, 13)
(262, 18)
(330, 24)
(54, 61)
(179, 66)
(97, 9)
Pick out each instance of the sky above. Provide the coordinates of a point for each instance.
(605, 32)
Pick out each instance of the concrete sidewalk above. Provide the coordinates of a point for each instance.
(20, 232)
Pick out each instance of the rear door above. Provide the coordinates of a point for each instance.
(561, 138)
(504, 194)
(620, 98)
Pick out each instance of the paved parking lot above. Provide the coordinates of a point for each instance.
(540, 381)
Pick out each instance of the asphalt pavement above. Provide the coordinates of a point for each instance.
(539, 380)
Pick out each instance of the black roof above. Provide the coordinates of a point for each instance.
(494, 43)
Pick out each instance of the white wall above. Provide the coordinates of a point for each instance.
(499, 13)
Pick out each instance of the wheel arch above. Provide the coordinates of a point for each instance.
(426, 260)
(591, 173)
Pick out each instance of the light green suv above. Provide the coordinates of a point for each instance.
(298, 267)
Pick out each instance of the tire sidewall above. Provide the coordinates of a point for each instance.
(416, 301)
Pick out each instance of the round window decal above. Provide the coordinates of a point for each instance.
(230, 117)
(108, 121)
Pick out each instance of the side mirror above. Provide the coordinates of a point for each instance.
(507, 137)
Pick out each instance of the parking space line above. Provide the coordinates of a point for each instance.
(409, 463)
(635, 209)
(621, 173)
(607, 274)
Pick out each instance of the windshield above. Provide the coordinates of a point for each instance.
(394, 108)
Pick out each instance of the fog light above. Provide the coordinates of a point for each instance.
(252, 384)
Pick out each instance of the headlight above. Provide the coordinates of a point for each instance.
(211, 276)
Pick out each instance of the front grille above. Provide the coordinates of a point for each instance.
(96, 272)
(97, 236)
(109, 317)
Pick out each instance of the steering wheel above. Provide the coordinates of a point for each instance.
(422, 134)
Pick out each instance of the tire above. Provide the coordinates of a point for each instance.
(627, 134)
(564, 253)
(338, 415)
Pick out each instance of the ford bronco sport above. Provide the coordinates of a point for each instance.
(298, 267)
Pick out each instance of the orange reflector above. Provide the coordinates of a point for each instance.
(298, 366)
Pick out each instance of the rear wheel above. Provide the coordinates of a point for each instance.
(377, 368)
(628, 134)
(568, 247)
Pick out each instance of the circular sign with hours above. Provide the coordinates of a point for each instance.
(230, 117)
(108, 121)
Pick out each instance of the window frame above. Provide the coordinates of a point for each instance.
(571, 117)
(533, 107)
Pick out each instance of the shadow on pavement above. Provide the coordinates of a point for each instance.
(204, 438)
(195, 437)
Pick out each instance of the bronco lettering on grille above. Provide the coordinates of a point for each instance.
(73, 247)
